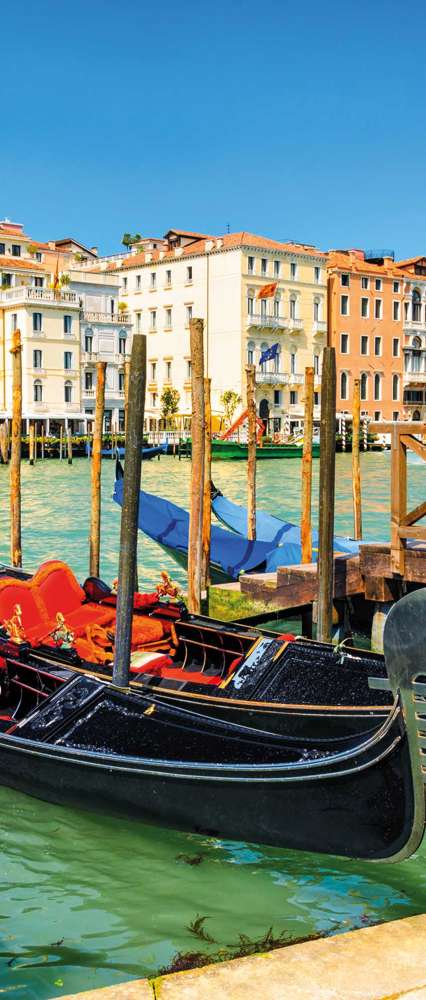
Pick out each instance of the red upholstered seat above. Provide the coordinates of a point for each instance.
(58, 588)
(34, 616)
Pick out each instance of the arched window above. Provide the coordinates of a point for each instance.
(68, 392)
(276, 308)
(250, 352)
(364, 386)
(250, 302)
(277, 365)
(38, 391)
(417, 343)
(316, 310)
(395, 387)
(417, 306)
(293, 307)
(377, 386)
(344, 386)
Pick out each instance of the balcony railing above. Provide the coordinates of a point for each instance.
(296, 379)
(414, 378)
(414, 324)
(121, 319)
(267, 322)
(272, 378)
(26, 293)
(295, 324)
(88, 393)
(319, 326)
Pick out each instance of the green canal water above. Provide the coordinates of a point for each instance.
(88, 901)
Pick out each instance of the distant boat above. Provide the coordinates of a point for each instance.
(231, 553)
(119, 452)
(271, 529)
(233, 450)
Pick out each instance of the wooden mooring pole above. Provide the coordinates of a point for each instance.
(16, 448)
(31, 443)
(126, 392)
(42, 440)
(61, 442)
(195, 544)
(95, 516)
(207, 500)
(356, 470)
(251, 451)
(3, 444)
(69, 445)
(326, 495)
(129, 513)
(308, 425)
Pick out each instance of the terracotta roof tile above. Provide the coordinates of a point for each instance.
(20, 264)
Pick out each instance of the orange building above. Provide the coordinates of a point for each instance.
(366, 328)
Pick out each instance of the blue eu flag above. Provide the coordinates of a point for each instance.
(269, 354)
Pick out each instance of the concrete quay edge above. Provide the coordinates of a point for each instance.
(384, 962)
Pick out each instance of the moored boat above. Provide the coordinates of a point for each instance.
(236, 450)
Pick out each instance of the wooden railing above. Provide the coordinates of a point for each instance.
(404, 436)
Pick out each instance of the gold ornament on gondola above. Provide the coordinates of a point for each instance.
(14, 627)
(166, 588)
(62, 634)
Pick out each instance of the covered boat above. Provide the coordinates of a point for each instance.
(148, 451)
(70, 736)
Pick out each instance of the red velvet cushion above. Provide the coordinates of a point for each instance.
(22, 592)
(58, 587)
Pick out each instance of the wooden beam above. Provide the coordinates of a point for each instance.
(415, 514)
(413, 531)
(400, 426)
(398, 499)
(195, 545)
(415, 445)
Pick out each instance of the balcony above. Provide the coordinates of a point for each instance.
(296, 379)
(119, 319)
(414, 326)
(295, 324)
(26, 293)
(272, 378)
(319, 327)
(89, 357)
(267, 322)
(88, 393)
(414, 378)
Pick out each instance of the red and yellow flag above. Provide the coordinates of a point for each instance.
(267, 291)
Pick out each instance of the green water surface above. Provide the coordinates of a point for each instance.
(88, 901)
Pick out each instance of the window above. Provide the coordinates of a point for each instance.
(277, 268)
(67, 324)
(344, 343)
(121, 381)
(364, 386)
(122, 345)
(189, 273)
(293, 364)
(343, 386)
(405, 310)
(276, 308)
(153, 371)
(417, 308)
(67, 359)
(138, 282)
(68, 392)
(263, 308)
(188, 368)
(14, 321)
(316, 364)
(153, 280)
(124, 284)
(317, 275)
(378, 284)
(395, 415)
(168, 320)
(88, 380)
(395, 347)
(250, 353)
(293, 397)
(138, 322)
(38, 256)
(378, 346)
(293, 270)
(395, 387)
(364, 345)
(38, 391)
(344, 280)
(277, 397)
(316, 311)
(153, 319)
(88, 343)
(38, 282)
(168, 279)
(250, 265)
(168, 367)
(2, 248)
(377, 308)
(396, 310)
(377, 415)
(396, 286)
(250, 306)
(377, 386)
(292, 308)
(344, 305)
(6, 280)
(154, 399)
(264, 266)
(365, 282)
(37, 359)
(316, 398)
(364, 308)
(188, 311)
(37, 320)
(16, 250)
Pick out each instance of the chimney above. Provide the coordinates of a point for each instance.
(94, 250)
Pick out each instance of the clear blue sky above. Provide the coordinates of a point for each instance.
(291, 119)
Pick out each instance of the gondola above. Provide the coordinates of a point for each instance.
(231, 552)
(70, 736)
(148, 452)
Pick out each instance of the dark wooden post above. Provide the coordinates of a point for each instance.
(126, 392)
(251, 451)
(306, 519)
(35, 441)
(31, 443)
(195, 548)
(61, 435)
(207, 503)
(3, 444)
(326, 495)
(42, 439)
(95, 515)
(129, 513)
(15, 456)
(356, 471)
(69, 445)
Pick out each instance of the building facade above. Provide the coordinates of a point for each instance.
(414, 338)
